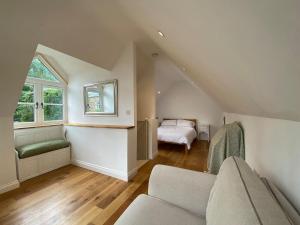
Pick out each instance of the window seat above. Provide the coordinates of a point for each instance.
(40, 150)
(30, 150)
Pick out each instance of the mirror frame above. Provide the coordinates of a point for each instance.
(115, 84)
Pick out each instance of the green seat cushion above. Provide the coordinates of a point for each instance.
(26, 151)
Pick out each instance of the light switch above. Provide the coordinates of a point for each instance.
(128, 112)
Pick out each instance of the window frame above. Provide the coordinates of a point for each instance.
(34, 105)
(63, 104)
(39, 85)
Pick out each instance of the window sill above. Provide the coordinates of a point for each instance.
(99, 126)
(38, 126)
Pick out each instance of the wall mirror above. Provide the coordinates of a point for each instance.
(101, 98)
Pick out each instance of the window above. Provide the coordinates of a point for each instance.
(40, 71)
(101, 98)
(25, 111)
(53, 103)
(42, 100)
(94, 99)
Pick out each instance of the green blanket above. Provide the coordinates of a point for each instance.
(228, 141)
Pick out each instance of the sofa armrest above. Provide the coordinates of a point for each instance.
(185, 188)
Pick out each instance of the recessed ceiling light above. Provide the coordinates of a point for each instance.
(158, 92)
(161, 34)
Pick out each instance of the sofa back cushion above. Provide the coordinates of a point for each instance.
(239, 197)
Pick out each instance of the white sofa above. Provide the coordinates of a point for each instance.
(236, 196)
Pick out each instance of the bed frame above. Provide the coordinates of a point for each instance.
(185, 146)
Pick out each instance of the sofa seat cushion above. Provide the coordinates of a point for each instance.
(147, 210)
(239, 197)
(29, 150)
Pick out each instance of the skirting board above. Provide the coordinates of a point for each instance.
(154, 155)
(107, 171)
(132, 173)
(10, 186)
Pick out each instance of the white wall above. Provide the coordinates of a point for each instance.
(102, 150)
(35, 135)
(8, 176)
(183, 100)
(146, 98)
(79, 73)
(273, 150)
(109, 151)
(123, 71)
(153, 143)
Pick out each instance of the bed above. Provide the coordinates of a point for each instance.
(178, 131)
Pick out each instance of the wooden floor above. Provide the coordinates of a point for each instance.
(72, 195)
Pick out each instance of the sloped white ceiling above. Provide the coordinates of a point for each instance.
(166, 74)
(246, 54)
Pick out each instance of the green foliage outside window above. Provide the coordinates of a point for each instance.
(24, 113)
(53, 112)
(53, 95)
(25, 109)
(39, 70)
(53, 100)
(27, 94)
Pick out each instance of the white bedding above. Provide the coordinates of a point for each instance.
(175, 134)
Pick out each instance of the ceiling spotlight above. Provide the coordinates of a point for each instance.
(158, 92)
(161, 34)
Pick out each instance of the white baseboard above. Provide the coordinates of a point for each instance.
(104, 170)
(10, 186)
(132, 173)
(140, 165)
(155, 154)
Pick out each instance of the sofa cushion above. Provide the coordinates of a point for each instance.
(147, 210)
(239, 197)
(185, 188)
(291, 212)
(26, 151)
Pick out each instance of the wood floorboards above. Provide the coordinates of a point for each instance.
(76, 196)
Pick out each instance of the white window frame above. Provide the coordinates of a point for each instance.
(39, 85)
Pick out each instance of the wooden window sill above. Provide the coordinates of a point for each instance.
(99, 126)
(38, 126)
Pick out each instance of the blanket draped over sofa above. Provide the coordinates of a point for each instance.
(228, 141)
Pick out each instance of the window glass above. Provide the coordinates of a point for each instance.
(39, 70)
(53, 103)
(53, 95)
(93, 99)
(53, 112)
(25, 111)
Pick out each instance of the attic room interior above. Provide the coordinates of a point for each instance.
(136, 112)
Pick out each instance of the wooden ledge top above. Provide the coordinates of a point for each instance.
(99, 126)
(37, 126)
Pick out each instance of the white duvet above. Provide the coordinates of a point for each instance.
(175, 134)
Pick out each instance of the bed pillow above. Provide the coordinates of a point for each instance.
(169, 123)
(185, 123)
